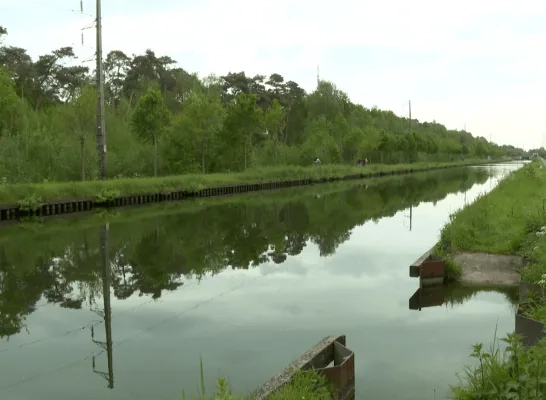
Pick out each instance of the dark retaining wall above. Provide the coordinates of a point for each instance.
(330, 350)
(10, 212)
(531, 330)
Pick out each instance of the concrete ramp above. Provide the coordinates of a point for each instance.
(489, 269)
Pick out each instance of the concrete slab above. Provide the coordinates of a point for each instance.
(489, 269)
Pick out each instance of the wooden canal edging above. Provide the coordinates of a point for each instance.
(10, 212)
(430, 269)
(431, 296)
(530, 329)
(329, 350)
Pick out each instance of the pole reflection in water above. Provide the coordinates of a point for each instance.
(106, 313)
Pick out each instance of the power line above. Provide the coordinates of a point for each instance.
(90, 325)
(150, 328)
(55, 7)
(26, 344)
(51, 371)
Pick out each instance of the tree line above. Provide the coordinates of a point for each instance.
(161, 119)
(149, 255)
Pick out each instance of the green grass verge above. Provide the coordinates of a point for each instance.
(517, 372)
(511, 219)
(505, 221)
(447, 180)
(29, 194)
(308, 385)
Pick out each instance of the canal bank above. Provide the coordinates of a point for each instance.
(500, 240)
(387, 194)
(45, 199)
(244, 286)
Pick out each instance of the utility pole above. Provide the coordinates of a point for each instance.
(409, 116)
(318, 76)
(101, 130)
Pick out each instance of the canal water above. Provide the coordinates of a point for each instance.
(130, 308)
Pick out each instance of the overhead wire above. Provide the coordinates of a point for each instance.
(78, 10)
(90, 325)
(130, 338)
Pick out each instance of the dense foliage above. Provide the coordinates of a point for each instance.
(159, 116)
(151, 249)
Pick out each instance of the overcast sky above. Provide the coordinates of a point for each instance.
(479, 63)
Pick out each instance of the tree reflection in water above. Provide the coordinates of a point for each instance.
(73, 262)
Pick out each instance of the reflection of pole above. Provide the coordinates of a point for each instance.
(106, 271)
(409, 103)
(410, 218)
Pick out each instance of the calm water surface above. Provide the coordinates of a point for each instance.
(246, 284)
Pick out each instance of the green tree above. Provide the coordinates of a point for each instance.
(275, 123)
(150, 118)
(220, 123)
(8, 102)
(84, 118)
(201, 120)
(243, 124)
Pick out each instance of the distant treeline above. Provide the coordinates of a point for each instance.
(215, 124)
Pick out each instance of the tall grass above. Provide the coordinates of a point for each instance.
(515, 372)
(308, 385)
(511, 219)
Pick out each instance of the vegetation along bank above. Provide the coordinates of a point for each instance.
(24, 199)
(163, 120)
(504, 230)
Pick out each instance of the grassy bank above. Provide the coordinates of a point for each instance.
(505, 221)
(403, 191)
(38, 193)
(307, 385)
(510, 220)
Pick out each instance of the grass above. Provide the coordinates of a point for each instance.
(510, 220)
(28, 195)
(308, 385)
(499, 222)
(97, 217)
(515, 372)
(505, 221)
